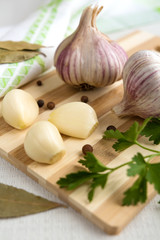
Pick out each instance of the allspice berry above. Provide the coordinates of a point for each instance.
(87, 148)
(84, 99)
(39, 83)
(40, 103)
(50, 105)
(111, 127)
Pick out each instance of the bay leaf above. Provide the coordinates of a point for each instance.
(7, 56)
(16, 202)
(19, 45)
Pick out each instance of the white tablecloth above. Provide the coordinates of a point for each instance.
(66, 224)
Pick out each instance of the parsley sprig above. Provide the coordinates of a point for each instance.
(96, 174)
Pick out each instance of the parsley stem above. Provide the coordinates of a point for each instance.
(149, 149)
(122, 165)
(144, 125)
(151, 156)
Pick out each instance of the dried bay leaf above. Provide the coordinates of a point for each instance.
(7, 56)
(20, 45)
(16, 202)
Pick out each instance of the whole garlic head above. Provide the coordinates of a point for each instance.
(19, 109)
(43, 143)
(141, 79)
(88, 58)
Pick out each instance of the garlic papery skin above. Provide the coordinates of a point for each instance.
(19, 108)
(141, 79)
(75, 119)
(88, 58)
(43, 143)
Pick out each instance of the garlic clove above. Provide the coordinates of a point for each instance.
(19, 109)
(75, 119)
(88, 58)
(141, 80)
(43, 143)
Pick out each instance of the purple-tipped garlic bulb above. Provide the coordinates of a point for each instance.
(141, 79)
(88, 58)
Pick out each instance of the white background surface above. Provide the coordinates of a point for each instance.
(64, 224)
(13, 11)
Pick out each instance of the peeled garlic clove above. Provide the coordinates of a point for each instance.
(88, 58)
(43, 143)
(75, 119)
(19, 109)
(141, 79)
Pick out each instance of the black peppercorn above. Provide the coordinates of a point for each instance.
(111, 127)
(84, 99)
(39, 83)
(50, 105)
(87, 148)
(40, 103)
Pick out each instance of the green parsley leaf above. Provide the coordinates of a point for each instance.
(121, 145)
(125, 139)
(147, 172)
(111, 134)
(136, 193)
(152, 131)
(145, 122)
(153, 175)
(97, 173)
(92, 163)
(74, 180)
(101, 181)
(132, 134)
(138, 165)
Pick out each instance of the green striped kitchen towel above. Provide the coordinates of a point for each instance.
(46, 26)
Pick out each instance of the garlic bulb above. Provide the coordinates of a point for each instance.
(141, 78)
(75, 119)
(19, 109)
(43, 143)
(88, 58)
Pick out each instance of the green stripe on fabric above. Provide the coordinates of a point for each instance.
(17, 80)
(55, 2)
(3, 82)
(41, 63)
(45, 29)
(10, 72)
(24, 70)
(8, 89)
(157, 9)
(42, 35)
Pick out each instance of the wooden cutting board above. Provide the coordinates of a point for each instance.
(105, 210)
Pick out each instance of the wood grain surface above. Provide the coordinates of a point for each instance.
(105, 210)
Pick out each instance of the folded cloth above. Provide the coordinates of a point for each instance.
(58, 19)
(46, 26)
